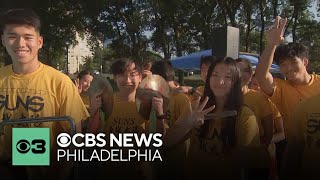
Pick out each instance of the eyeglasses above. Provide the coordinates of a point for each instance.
(131, 76)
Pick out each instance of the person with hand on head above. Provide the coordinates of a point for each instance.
(42, 90)
(218, 147)
(299, 84)
(124, 117)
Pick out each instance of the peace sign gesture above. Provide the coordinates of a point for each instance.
(197, 112)
(275, 33)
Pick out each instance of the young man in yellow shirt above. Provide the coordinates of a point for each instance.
(293, 60)
(31, 89)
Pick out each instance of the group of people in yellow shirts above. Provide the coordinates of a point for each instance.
(272, 132)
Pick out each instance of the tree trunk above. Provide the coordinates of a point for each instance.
(248, 29)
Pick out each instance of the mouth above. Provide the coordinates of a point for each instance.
(21, 52)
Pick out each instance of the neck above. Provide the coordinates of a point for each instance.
(28, 68)
(172, 85)
(245, 89)
(220, 101)
(124, 96)
(304, 80)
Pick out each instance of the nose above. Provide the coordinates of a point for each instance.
(20, 42)
(221, 81)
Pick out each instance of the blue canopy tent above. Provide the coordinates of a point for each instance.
(192, 61)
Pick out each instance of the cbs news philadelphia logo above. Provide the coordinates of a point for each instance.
(31, 146)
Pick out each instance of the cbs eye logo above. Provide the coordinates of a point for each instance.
(37, 146)
(63, 140)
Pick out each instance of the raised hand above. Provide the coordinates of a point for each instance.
(197, 112)
(95, 103)
(275, 34)
(78, 85)
(157, 104)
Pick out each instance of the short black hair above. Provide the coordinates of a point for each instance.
(290, 50)
(208, 60)
(122, 64)
(21, 17)
(163, 68)
(83, 73)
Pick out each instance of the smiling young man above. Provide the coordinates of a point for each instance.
(293, 60)
(31, 89)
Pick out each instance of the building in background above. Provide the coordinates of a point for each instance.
(77, 54)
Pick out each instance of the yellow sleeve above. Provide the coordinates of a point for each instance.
(275, 111)
(71, 103)
(247, 130)
(180, 107)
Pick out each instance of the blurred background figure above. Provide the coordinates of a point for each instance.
(83, 83)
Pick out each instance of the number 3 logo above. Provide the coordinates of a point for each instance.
(38, 146)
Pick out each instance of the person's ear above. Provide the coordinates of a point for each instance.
(305, 61)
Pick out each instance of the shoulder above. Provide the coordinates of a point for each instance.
(245, 111)
(6, 70)
(56, 75)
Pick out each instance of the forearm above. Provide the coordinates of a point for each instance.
(265, 61)
(176, 133)
(277, 137)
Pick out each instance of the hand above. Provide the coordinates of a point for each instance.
(157, 104)
(197, 112)
(275, 34)
(95, 103)
(78, 85)
(146, 73)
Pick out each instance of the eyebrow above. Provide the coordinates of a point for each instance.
(11, 33)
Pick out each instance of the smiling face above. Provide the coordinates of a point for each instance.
(293, 68)
(221, 80)
(85, 82)
(22, 43)
(246, 73)
(129, 80)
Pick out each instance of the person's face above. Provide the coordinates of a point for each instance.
(22, 43)
(294, 68)
(204, 71)
(85, 82)
(129, 80)
(254, 84)
(245, 72)
(220, 80)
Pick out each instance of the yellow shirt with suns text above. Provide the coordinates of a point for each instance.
(45, 92)
(305, 128)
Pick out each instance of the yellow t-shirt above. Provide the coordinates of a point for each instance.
(176, 156)
(287, 96)
(86, 100)
(124, 118)
(259, 104)
(43, 93)
(305, 127)
(207, 156)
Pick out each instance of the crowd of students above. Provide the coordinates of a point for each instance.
(274, 133)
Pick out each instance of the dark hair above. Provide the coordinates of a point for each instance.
(164, 69)
(147, 64)
(247, 62)
(234, 100)
(122, 64)
(21, 17)
(290, 50)
(206, 60)
(83, 73)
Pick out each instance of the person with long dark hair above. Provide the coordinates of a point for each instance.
(218, 145)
